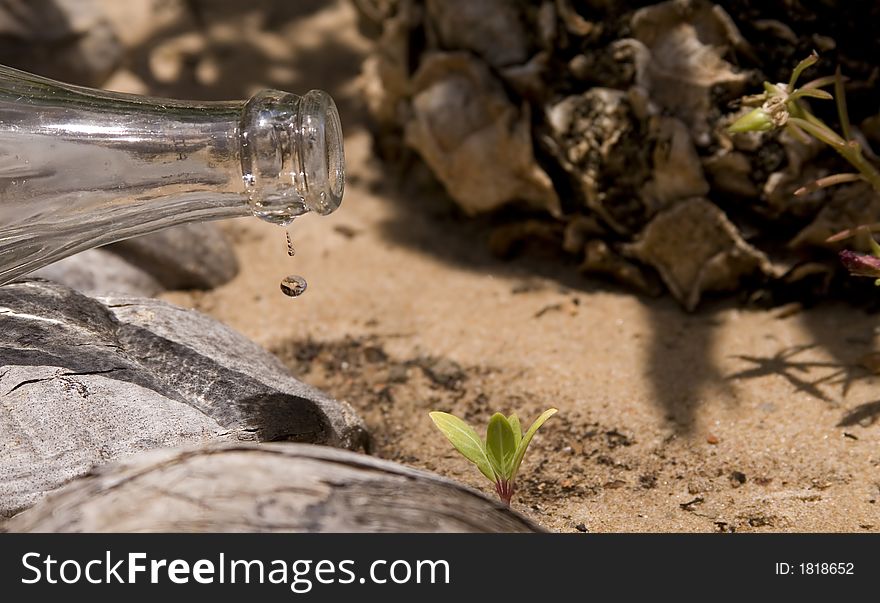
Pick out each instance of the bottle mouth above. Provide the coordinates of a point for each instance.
(292, 159)
(323, 159)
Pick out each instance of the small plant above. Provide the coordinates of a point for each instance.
(781, 105)
(499, 456)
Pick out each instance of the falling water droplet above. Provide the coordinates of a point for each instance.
(293, 285)
(290, 250)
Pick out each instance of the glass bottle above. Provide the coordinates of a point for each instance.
(80, 168)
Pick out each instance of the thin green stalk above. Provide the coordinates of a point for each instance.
(840, 99)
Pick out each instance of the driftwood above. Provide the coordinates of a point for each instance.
(84, 382)
(265, 488)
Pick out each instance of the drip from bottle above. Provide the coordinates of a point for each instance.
(292, 161)
(293, 285)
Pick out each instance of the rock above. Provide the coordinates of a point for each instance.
(507, 240)
(190, 256)
(473, 138)
(229, 377)
(676, 170)
(70, 40)
(574, 23)
(372, 15)
(579, 230)
(57, 423)
(493, 29)
(696, 248)
(100, 272)
(625, 168)
(597, 141)
(684, 42)
(600, 259)
(84, 381)
(386, 74)
(850, 205)
(797, 168)
(268, 488)
(731, 173)
(443, 372)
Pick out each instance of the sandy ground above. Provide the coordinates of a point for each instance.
(721, 420)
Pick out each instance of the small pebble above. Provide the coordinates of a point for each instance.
(737, 478)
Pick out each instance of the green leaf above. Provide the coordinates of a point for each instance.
(517, 428)
(773, 90)
(811, 93)
(527, 438)
(842, 113)
(465, 440)
(819, 82)
(799, 69)
(875, 246)
(501, 445)
(820, 131)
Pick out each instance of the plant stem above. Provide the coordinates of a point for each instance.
(505, 489)
(848, 149)
(853, 153)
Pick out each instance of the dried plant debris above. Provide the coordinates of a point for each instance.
(610, 117)
(696, 248)
(474, 139)
(598, 142)
(493, 29)
(684, 43)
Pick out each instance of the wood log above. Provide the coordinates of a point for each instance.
(265, 488)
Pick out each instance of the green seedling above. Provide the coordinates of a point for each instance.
(499, 456)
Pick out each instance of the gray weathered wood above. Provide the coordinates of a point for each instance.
(265, 488)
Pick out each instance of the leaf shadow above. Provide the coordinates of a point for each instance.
(864, 414)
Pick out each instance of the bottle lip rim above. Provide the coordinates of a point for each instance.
(322, 155)
(292, 155)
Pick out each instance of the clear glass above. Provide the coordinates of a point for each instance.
(80, 168)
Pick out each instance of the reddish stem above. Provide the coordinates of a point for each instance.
(505, 490)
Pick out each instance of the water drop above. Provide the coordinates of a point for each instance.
(290, 250)
(293, 285)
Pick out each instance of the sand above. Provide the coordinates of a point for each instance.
(722, 420)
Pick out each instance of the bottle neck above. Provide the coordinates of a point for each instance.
(81, 168)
